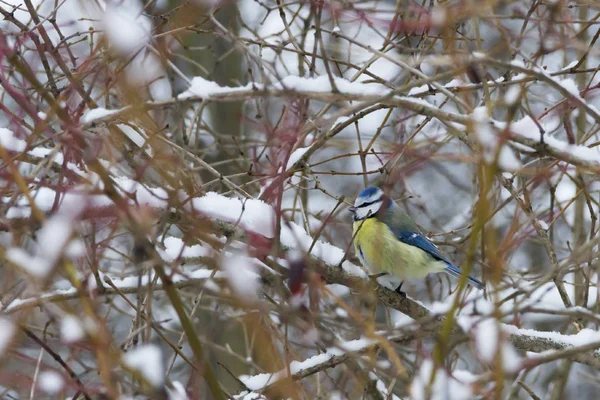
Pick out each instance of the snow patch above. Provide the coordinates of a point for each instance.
(175, 247)
(512, 95)
(258, 382)
(322, 84)
(10, 142)
(52, 241)
(444, 386)
(96, 113)
(7, 332)
(242, 274)
(51, 382)
(490, 140)
(125, 27)
(203, 88)
(147, 360)
(253, 215)
(71, 329)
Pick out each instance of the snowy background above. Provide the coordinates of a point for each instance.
(175, 180)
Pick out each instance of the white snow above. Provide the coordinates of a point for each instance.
(52, 240)
(322, 84)
(136, 137)
(147, 360)
(585, 336)
(258, 382)
(21, 258)
(488, 345)
(174, 248)
(487, 339)
(145, 69)
(340, 312)
(42, 152)
(177, 391)
(15, 304)
(423, 89)
(490, 140)
(10, 142)
(519, 77)
(71, 329)
(242, 274)
(147, 196)
(518, 63)
(570, 65)
(249, 396)
(75, 249)
(125, 27)
(253, 215)
(160, 89)
(44, 200)
(51, 381)
(511, 360)
(96, 113)
(444, 387)
(203, 88)
(57, 158)
(454, 83)
(527, 128)
(512, 95)
(295, 156)
(427, 68)
(294, 236)
(7, 332)
(570, 85)
(418, 90)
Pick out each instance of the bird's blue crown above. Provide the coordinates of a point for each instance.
(371, 191)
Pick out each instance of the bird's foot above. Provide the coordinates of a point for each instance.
(399, 290)
(377, 276)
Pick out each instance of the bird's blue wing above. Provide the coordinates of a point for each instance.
(420, 241)
(454, 271)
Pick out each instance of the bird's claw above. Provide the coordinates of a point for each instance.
(377, 276)
(399, 290)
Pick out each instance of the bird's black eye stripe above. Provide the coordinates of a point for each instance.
(369, 203)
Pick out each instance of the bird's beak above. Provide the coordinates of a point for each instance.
(352, 209)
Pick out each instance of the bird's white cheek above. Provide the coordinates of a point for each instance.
(365, 212)
(362, 213)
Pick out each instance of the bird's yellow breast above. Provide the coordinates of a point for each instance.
(380, 251)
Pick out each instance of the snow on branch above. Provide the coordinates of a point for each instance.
(250, 215)
(524, 131)
(175, 180)
(301, 369)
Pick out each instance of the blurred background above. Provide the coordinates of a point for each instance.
(175, 178)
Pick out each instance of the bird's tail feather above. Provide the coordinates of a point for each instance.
(455, 272)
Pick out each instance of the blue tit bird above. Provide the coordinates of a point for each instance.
(388, 241)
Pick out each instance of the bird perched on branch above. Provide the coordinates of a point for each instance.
(388, 241)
